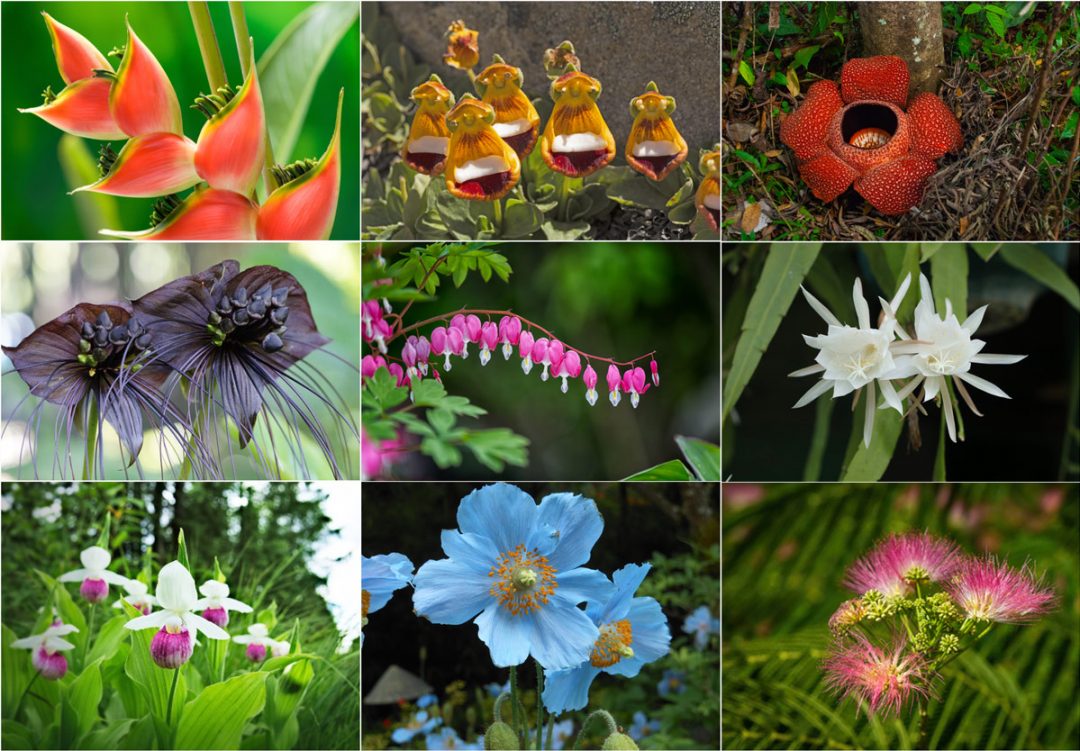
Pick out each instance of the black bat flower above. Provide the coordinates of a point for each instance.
(96, 362)
(236, 340)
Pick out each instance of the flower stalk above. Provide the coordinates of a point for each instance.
(208, 44)
(243, 50)
(539, 706)
(172, 694)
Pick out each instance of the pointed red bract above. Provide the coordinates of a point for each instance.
(304, 209)
(883, 77)
(76, 57)
(204, 215)
(827, 176)
(142, 99)
(935, 131)
(895, 187)
(81, 109)
(232, 144)
(152, 165)
(805, 129)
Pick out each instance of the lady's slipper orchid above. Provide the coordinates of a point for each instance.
(177, 622)
(655, 147)
(257, 640)
(82, 107)
(516, 120)
(305, 205)
(429, 138)
(576, 140)
(462, 46)
(142, 99)
(46, 648)
(206, 214)
(858, 133)
(156, 164)
(137, 597)
(280, 649)
(707, 198)
(232, 143)
(216, 603)
(480, 165)
(94, 574)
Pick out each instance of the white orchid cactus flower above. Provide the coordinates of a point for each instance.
(216, 603)
(178, 623)
(46, 649)
(137, 597)
(94, 575)
(258, 641)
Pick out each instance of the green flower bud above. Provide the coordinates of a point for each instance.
(619, 742)
(501, 737)
(949, 644)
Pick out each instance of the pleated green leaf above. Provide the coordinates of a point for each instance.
(216, 718)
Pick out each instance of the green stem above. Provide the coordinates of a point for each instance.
(918, 589)
(496, 712)
(92, 425)
(924, 725)
(550, 730)
(514, 704)
(89, 633)
(539, 707)
(208, 44)
(907, 626)
(172, 693)
(498, 216)
(599, 714)
(26, 690)
(564, 190)
(243, 49)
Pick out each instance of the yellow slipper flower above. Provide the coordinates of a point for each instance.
(480, 165)
(516, 120)
(462, 46)
(707, 198)
(576, 140)
(655, 147)
(425, 148)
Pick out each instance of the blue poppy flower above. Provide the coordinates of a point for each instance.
(496, 690)
(515, 567)
(420, 724)
(426, 700)
(561, 734)
(643, 726)
(701, 623)
(380, 577)
(448, 739)
(672, 680)
(633, 631)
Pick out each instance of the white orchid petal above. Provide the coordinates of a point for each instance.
(56, 644)
(29, 642)
(95, 558)
(197, 622)
(214, 589)
(74, 576)
(176, 588)
(815, 391)
(243, 639)
(862, 310)
(154, 620)
(821, 310)
(898, 298)
(113, 578)
(982, 384)
(235, 605)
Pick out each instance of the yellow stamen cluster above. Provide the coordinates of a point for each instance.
(524, 581)
(613, 644)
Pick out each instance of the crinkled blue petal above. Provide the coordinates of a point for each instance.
(573, 522)
(471, 550)
(449, 592)
(583, 585)
(501, 512)
(650, 637)
(506, 635)
(382, 575)
(568, 690)
(627, 580)
(561, 636)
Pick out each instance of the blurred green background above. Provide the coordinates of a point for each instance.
(675, 526)
(618, 300)
(41, 280)
(785, 551)
(36, 205)
(279, 545)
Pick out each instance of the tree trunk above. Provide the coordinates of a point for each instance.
(912, 32)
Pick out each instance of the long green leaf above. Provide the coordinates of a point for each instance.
(84, 695)
(290, 68)
(784, 270)
(1035, 263)
(949, 271)
(869, 464)
(217, 716)
(703, 457)
(155, 680)
(16, 674)
(673, 470)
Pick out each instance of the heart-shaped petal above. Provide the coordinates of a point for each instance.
(204, 215)
(142, 99)
(232, 143)
(82, 109)
(156, 164)
(304, 209)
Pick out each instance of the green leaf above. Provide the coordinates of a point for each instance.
(1034, 262)
(869, 464)
(672, 471)
(441, 419)
(15, 676)
(80, 167)
(497, 447)
(290, 68)
(520, 219)
(181, 551)
(963, 43)
(939, 459)
(383, 389)
(785, 267)
(108, 638)
(215, 719)
(703, 457)
(996, 23)
(84, 695)
(972, 8)
(564, 231)
(802, 57)
(155, 681)
(985, 251)
(746, 72)
(949, 278)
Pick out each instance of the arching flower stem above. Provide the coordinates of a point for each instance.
(208, 44)
(489, 312)
(243, 49)
(26, 691)
(601, 715)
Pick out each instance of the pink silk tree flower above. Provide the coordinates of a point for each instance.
(879, 679)
(899, 560)
(589, 379)
(986, 589)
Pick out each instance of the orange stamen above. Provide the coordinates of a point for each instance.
(524, 581)
(613, 644)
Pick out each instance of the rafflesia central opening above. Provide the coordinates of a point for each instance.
(869, 125)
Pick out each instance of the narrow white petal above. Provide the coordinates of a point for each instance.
(62, 630)
(927, 294)
(933, 385)
(868, 421)
(862, 310)
(900, 293)
(842, 388)
(154, 620)
(74, 576)
(820, 309)
(982, 384)
(947, 408)
(56, 644)
(30, 642)
(236, 605)
(197, 622)
(889, 392)
(971, 325)
(815, 368)
(243, 639)
(112, 578)
(997, 359)
(911, 386)
(815, 391)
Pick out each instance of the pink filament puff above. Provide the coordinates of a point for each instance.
(986, 589)
(878, 679)
(887, 566)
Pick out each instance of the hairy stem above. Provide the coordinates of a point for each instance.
(243, 49)
(514, 704)
(208, 44)
(539, 707)
(600, 715)
(498, 216)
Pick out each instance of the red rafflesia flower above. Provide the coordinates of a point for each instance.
(860, 134)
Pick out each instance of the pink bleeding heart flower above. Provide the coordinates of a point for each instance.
(369, 364)
(459, 324)
(399, 374)
(82, 106)
(633, 383)
(440, 345)
(423, 353)
(556, 352)
(509, 333)
(408, 356)
(540, 356)
(590, 380)
(614, 384)
(370, 312)
(570, 367)
(655, 373)
(489, 339)
(525, 350)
